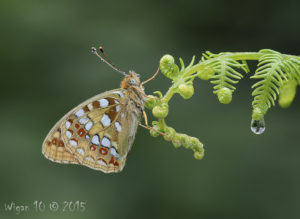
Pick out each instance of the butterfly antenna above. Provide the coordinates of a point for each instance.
(106, 60)
(106, 57)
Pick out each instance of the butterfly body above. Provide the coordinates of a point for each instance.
(99, 132)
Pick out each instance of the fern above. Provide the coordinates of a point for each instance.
(278, 74)
(273, 69)
(225, 75)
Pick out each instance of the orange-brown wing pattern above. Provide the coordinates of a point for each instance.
(54, 148)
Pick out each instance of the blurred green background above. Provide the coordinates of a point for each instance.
(47, 69)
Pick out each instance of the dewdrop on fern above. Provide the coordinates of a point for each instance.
(258, 126)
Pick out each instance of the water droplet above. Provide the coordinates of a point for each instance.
(258, 126)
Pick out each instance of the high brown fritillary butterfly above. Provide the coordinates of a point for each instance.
(99, 132)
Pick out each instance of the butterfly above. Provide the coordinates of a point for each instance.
(99, 132)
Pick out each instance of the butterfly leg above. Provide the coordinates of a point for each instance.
(145, 118)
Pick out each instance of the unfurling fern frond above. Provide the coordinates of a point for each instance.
(224, 74)
(273, 69)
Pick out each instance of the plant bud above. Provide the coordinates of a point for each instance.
(168, 66)
(225, 95)
(177, 141)
(153, 133)
(198, 155)
(186, 91)
(150, 102)
(170, 133)
(160, 111)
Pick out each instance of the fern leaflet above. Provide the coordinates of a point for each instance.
(224, 74)
(273, 69)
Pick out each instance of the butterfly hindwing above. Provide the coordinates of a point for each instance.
(95, 132)
(54, 148)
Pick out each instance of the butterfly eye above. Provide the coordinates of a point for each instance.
(132, 82)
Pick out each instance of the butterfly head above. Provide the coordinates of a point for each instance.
(131, 80)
